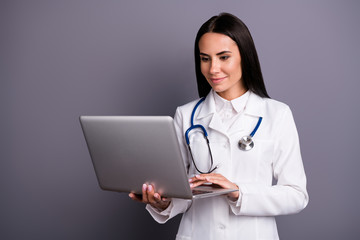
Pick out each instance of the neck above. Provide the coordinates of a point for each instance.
(228, 95)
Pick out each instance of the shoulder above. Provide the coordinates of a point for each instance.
(268, 107)
(279, 114)
(275, 106)
(187, 108)
(182, 117)
(277, 117)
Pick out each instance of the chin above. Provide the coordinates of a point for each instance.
(218, 89)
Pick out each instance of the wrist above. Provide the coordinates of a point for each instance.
(161, 207)
(234, 196)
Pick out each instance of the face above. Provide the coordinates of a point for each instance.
(220, 63)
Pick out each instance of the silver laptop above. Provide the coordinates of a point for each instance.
(127, 151)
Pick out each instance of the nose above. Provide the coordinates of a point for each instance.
(214, 67)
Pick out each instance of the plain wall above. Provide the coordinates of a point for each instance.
(63, 59)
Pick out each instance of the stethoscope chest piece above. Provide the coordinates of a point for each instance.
(246, 143)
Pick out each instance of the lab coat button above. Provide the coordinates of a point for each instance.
(221, 226)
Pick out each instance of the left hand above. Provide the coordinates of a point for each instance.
(215, 178)
(150, 196)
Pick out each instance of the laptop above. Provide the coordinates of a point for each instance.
(127, 151)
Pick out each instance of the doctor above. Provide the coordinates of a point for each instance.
(269, 175)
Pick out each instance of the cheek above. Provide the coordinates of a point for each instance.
(235, 69)
(203, 69)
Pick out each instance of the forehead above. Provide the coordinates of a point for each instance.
(216, 42)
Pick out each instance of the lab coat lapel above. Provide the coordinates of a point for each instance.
(207, 115)
(253, 110)
(216, 124)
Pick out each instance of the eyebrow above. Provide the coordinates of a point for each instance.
(220, 53)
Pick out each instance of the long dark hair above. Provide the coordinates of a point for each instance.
(233, 27)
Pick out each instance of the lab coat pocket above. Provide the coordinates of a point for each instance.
(265, 149)
(256, 162)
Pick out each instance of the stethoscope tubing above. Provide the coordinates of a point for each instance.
(192, 126)
(246, 143)
(256, 127)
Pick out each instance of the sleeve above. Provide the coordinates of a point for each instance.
(176, 205)
(289, 195)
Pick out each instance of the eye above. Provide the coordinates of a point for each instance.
(204, 59)
(224, 57)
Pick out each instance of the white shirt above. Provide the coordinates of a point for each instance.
(276, 154)
(229, 111)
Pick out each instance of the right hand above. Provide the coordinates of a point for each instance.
(149, 196)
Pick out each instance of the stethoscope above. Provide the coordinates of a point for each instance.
(246, 143)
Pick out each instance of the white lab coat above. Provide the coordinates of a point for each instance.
(276, 154)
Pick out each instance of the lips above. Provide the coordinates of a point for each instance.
(217, 80)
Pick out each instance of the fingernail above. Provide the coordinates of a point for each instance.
(190, 180)
(149, 188)
(144, 187)
(197, 176)
(191, 184)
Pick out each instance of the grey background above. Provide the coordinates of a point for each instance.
(62, 59)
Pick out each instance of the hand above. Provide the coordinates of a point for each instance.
(149, 196)
(215, 178)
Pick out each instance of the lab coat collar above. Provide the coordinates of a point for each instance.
(253, 107)
(237, 105)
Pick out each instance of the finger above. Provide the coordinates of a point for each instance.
(160, 203)
(144, 193)
(213, 175)
(161, 200)
(150, 193)
(202, 179)
(192, 179)
(135, 197)
(222, 182)
(197, 183)
(206, 176)
(157, 197)
(216, 181)
(197, 178)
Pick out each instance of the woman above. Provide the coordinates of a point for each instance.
(229, 76)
